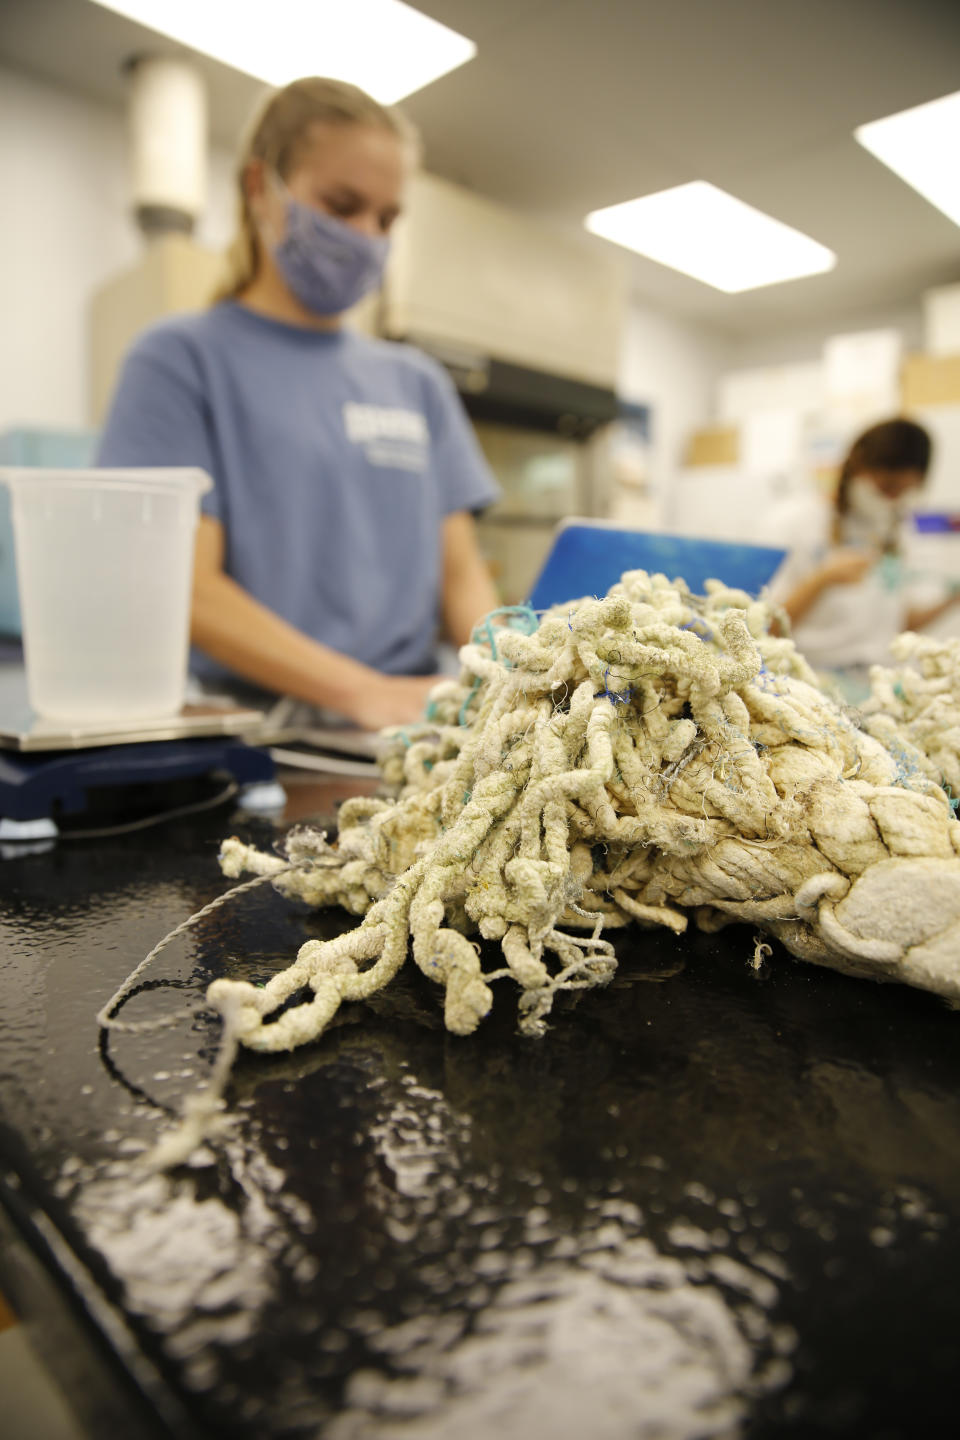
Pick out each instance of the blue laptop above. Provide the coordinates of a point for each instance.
(588, 556)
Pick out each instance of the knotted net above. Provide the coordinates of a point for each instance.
(647, 759)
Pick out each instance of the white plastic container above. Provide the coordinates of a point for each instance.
(104, 567)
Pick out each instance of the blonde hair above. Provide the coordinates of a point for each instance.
(277, 133)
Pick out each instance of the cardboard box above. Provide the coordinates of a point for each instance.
(718, 445)
(930, 380)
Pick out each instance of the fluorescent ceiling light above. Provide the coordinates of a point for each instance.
(387, 48)
(922, 146)
(706, 233)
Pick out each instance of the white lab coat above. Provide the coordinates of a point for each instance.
(847, 626)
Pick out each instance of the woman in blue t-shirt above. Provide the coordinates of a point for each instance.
(339, 535)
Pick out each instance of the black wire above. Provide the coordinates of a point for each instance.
(221, 798)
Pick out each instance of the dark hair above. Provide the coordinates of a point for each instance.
(891, 445)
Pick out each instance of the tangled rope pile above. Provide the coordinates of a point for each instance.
(638, 759)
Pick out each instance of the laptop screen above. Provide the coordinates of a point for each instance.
(587, 557)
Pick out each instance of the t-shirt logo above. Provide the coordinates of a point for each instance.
(390, 436)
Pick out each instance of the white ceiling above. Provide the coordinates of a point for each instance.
(575, 104)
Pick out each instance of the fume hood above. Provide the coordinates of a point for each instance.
(526, 319)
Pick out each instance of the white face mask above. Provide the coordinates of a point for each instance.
(872, 518)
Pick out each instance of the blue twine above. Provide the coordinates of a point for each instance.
(484, 631)
(906, 768)
(767, 681)
(462, 717)
(488, 627)
(619, 697)
(519, 617)
(691, 625)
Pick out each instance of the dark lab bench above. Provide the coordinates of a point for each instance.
(710, 1197)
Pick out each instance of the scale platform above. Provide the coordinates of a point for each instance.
(21, 729)
(51, 771)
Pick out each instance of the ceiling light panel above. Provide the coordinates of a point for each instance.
(922, 146)
(387, 48)
(704, 232)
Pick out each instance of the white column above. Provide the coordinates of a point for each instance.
(168, 142)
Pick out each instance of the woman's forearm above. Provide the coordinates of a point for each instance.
(468, 591)
(474, 598)
(228, 624)
(919, 616)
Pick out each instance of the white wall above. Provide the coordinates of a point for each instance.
(796, 415)
(65, 229)
(795, 346)
(674, 366)
(798, 373)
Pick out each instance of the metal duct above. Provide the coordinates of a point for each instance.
(168, 143)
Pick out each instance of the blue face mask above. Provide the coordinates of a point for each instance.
(327, 264)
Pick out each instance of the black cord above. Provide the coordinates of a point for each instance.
(221, 798)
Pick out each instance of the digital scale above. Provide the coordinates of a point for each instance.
(54, 772)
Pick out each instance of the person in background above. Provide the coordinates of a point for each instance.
(843, 586)
(339, 534)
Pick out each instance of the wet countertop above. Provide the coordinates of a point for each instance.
(712, 1201)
